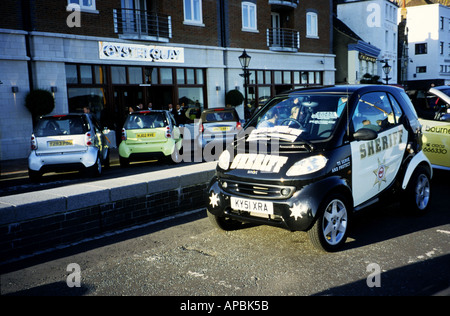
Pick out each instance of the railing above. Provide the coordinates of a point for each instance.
(289, 3)
(139, 24)
(279, 39)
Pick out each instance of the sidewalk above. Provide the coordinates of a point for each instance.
(9, 168)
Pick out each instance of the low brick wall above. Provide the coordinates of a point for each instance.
(36, 221)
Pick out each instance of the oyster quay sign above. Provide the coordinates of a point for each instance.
(137, 52)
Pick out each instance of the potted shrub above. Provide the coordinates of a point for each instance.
(39, 102)
(234, 98)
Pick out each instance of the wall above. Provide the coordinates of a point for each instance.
(36, 221)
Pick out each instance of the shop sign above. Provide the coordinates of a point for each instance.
(137, 52)
(368, 58)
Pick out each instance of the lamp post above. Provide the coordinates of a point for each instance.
(244, 59)
(387, 69)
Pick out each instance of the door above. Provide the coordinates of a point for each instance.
(375, 163)
(276, 28)
(134, 16)
(124, 99)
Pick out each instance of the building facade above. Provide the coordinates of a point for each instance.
(428, 45)
(356, 60)
(376, 22)
(112, 54)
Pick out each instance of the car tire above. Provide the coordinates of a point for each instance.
(107, 161)
(96, 169)
(124, 162)
(35, 176)
(224, 223)
(418, 192)
(177, 155)
(329, 232)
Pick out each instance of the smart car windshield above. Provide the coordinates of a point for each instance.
(313, 116)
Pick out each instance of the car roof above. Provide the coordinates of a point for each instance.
(218, 110)
(346, 89)
(62, 114)
(149, 111)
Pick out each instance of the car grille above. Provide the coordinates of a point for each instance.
(257, 190)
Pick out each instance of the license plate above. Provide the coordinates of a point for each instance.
(58, 143)
(221, 129)
(252, 206)
(145, 135)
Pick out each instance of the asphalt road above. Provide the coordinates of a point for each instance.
(393, 252)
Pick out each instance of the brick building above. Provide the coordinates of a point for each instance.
(111, 54)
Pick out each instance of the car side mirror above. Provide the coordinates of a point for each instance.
(365, 134)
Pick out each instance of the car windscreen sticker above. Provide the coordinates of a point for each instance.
(261, 162)
(281, 132)
(323, 118)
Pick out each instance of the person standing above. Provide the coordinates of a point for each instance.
(180, 116)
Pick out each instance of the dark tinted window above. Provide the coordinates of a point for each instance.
(219, 116)
(61, 125)
(146, 120)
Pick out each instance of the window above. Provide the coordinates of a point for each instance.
(311, 25)
(85, 74)
(85, 5)
(193, 12)
(374, 112)
(421, 49)
(441, 23)
(249, 16)
(441, 48)
(71, 74)
(421, 69)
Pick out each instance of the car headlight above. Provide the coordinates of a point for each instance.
(224, 160)
(307, 166)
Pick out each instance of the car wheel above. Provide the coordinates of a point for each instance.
(107, 161)
(176, 155)
(329, 232)
(417, 194)
(96, 169)
(35, 176)
(224, 223)
(124, 162)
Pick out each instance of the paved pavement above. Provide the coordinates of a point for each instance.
(10, 168)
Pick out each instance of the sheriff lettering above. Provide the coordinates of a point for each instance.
(264, 163)
(380, 144)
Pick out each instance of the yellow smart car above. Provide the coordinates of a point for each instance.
(433, 109)
(148, 135)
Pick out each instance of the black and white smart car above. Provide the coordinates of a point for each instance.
(311, 158)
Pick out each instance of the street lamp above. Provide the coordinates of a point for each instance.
(387, 69)
(244, 59)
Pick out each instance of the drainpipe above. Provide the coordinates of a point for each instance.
(27, 22)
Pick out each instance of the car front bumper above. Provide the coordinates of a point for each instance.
(295, 213)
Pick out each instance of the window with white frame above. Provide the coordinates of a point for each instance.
(312, 25)
(85, 5)
(193, 12)
(249, 21)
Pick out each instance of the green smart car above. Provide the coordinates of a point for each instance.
(149, 135)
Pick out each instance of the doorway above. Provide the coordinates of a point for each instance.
(160, 97)
(124, 98)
